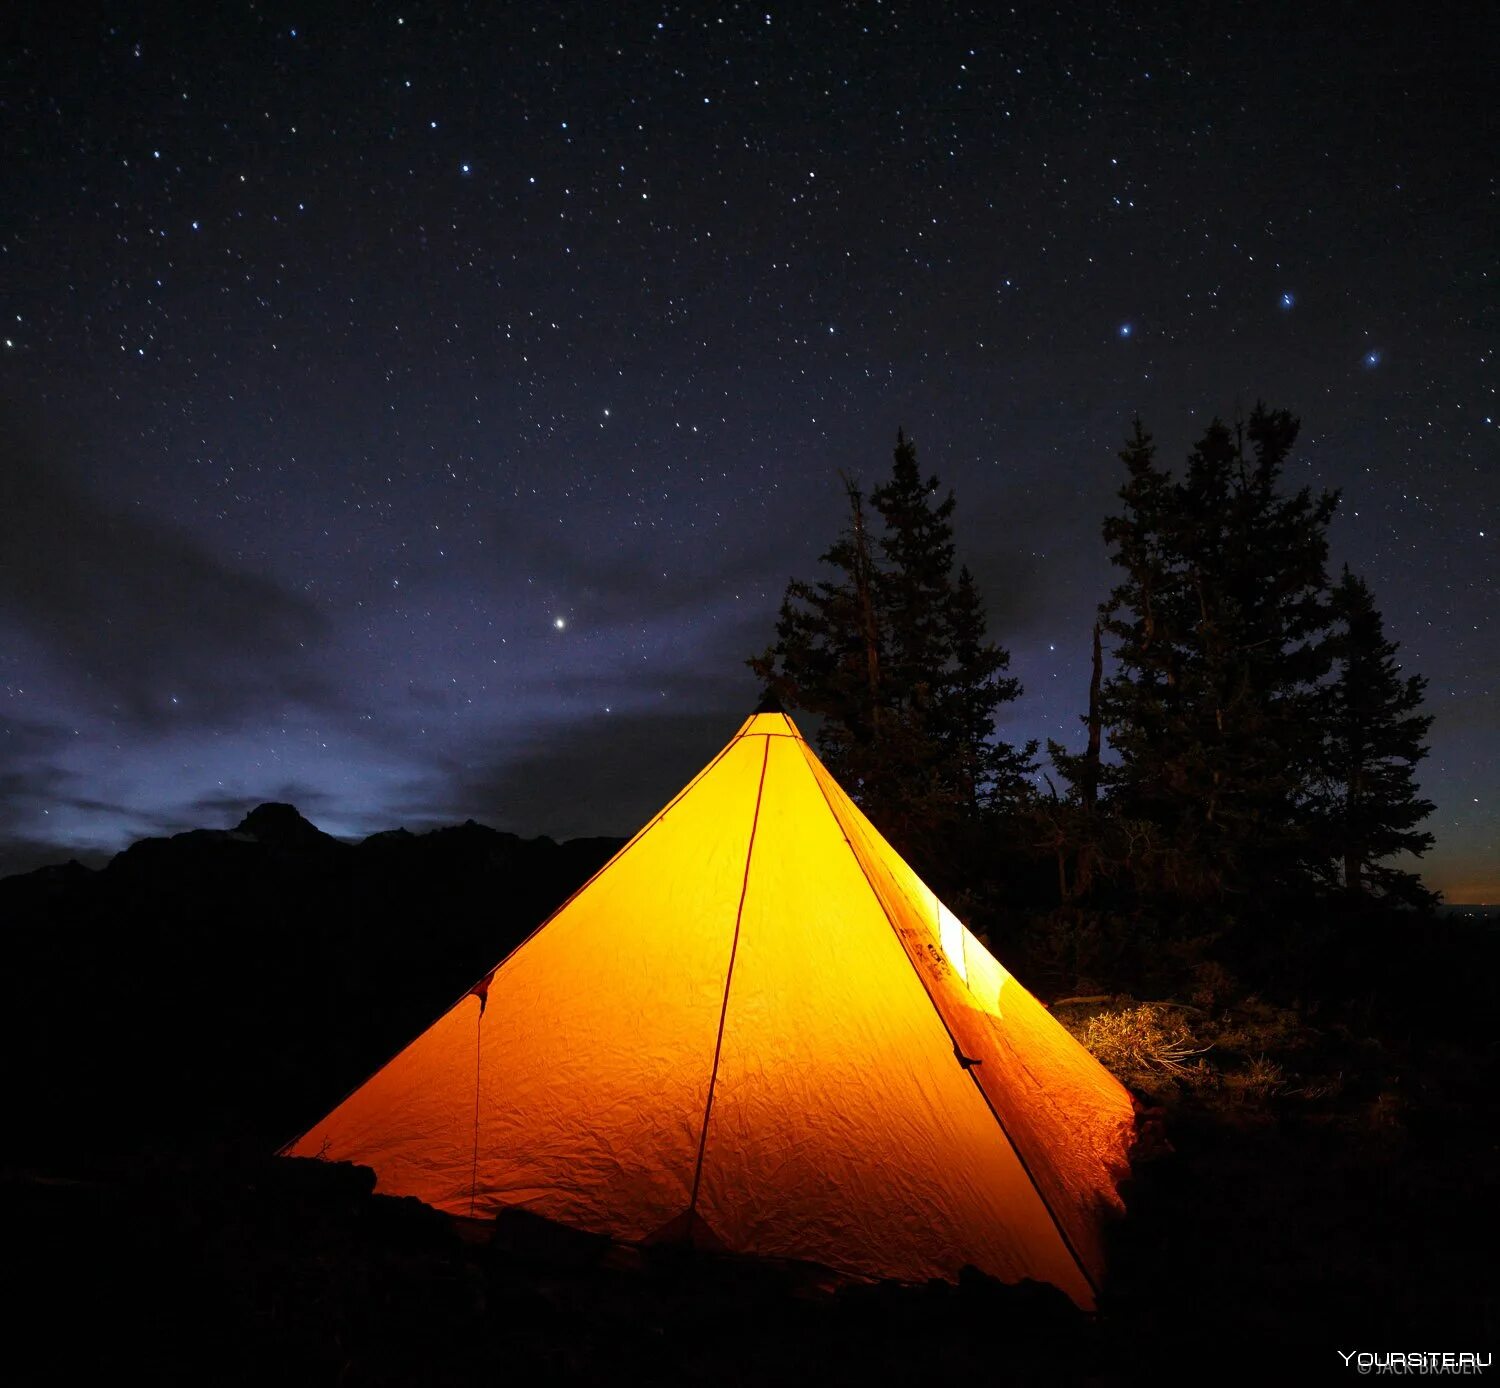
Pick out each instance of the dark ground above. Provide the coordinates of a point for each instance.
(1328, 1181)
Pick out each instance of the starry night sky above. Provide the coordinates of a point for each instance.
(418, 414)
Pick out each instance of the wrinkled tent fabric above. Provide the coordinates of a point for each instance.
(757, 1028)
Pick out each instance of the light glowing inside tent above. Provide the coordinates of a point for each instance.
(951, 934)
(984, 975)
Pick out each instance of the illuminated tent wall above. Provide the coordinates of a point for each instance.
(757, 1029)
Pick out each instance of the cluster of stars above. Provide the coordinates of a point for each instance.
(338, 315)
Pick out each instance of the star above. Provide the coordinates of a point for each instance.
(796, 343)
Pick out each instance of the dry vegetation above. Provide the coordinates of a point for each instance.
(1234, 1060)
(1143, 1042)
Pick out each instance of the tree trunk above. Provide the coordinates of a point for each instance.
(1083, 872)
(1090, 784)
(1353, 873)
(868, 626)
(1353, 858)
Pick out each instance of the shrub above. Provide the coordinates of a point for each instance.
(1144, 1041)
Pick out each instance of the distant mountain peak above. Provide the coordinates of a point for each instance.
(276, 823)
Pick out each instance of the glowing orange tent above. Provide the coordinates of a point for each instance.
(756, 1029)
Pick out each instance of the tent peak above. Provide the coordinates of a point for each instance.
(769, 703)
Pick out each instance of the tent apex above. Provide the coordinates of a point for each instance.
(769, 703)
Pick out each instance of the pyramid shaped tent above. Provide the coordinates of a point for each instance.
(757, 1029)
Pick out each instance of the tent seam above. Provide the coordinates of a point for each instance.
(1062, 1233)
(734, 947)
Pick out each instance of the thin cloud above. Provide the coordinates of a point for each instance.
(606, 775)
(139, 615)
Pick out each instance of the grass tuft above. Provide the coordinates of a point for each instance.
(1143, 1042)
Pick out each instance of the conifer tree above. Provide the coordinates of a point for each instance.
(989, 772)
(914, 738)
(1375, 732)
(827, 657)
(1219, 626)
(917, 576)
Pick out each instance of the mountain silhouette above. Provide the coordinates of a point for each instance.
(276, 823)
(231, 984)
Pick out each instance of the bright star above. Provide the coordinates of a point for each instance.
(559, 623)
(1288, 299)
(1372, 357)
(1126, 329)
(463, 169)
